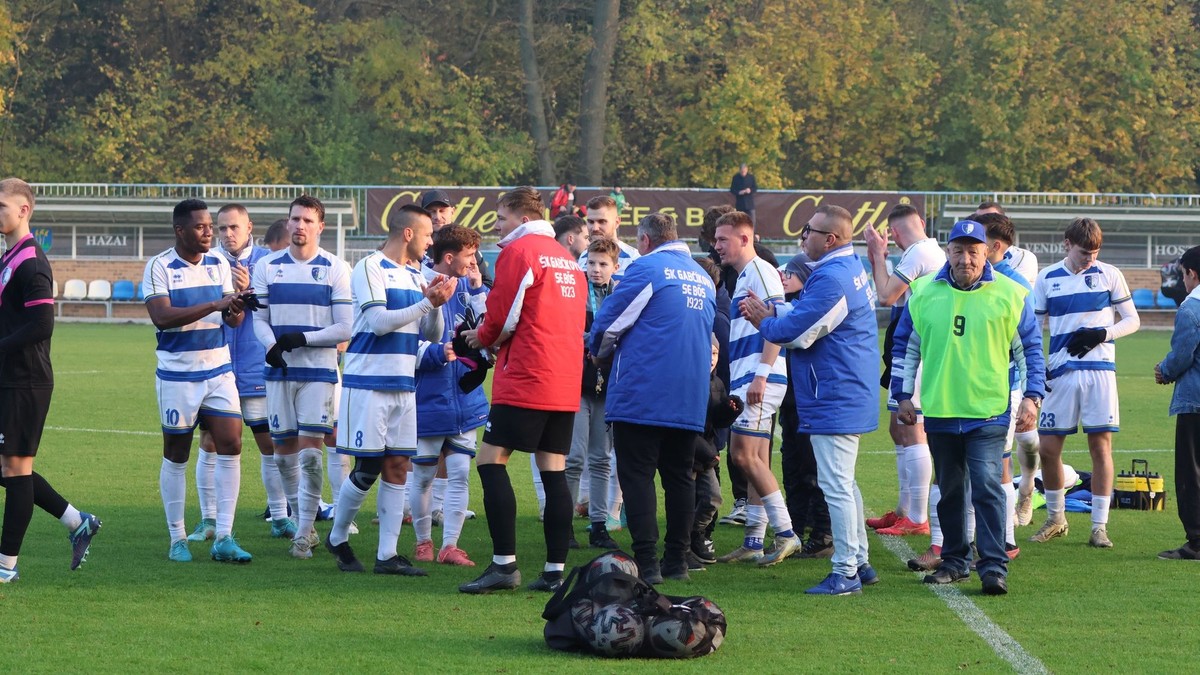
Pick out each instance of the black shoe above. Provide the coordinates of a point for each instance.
(344, 555)
(994, 584)
(702, 549)
(815, 548)
(694, 563)
(398, 564)
(547, 581)
(650, 574)
(945, 575)
(572, 542)
(494, 578)
(266, 514)
(599, 538)
(1185, 552)
(676, 571)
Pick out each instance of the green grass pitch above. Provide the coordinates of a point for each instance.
(129, 609)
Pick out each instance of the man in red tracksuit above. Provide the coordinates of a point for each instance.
(535, 313)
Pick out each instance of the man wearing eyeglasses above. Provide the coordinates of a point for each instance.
(833, 340)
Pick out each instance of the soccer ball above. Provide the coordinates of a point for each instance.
(583, 618)
(713, 619)
(618, 631)
(614, 561)
(676, 636)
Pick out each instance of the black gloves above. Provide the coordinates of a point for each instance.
(275, 358)
(1084, 340)
(251, 302)
(289, 341)
(476, 360)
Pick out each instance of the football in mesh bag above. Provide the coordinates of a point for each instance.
(617, 631)
(616, 561)
(583, 618)
(713, 619)
(679, 635)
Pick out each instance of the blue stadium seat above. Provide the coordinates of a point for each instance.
(1143, 298)
(1164, 302)
(137, 292)
(124, 290)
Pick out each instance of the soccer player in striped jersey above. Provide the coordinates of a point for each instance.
(759, 377)
(603, 220)
(306, 290)
(1082, 297)
(378, 424)
(26, 383)
(189, 292)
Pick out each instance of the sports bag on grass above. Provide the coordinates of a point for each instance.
(604, 608)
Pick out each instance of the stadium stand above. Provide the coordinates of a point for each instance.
(75, 289)
(1143, 298)
(124, 291)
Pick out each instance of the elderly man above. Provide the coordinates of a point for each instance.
(963, 323)
(834, 342)
(664, 293)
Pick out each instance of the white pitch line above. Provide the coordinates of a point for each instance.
(1005, 646)
(105, 431)
(1121, 451)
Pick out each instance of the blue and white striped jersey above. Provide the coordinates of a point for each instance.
(626, 256)
(388, 361)
(1074, 301)
(197, 351)
(300, 296)
(745, 342)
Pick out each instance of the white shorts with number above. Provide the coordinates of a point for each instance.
(254, 410)
(756, 420)
(300, 409)
(430, 448)
(893, 405)
(1087, 397)
(180, 404)
(377, 423)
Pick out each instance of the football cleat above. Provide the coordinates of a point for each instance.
(400, 565)
(493, 579)
(1099, 538)
(1050, 529)
(1024, 510)
(548, 582)
(1012, 550)
(344, 555)
(784, 547)
(301, 548)
(742, 554)
(928, 561)
(816, 548)
(423, 551)
(283, 528)
(904, 528)
(886, 520)
(453, 555)
(226, 549)
(179, 551)
(204, 531)
(8, 576)
(81, 538)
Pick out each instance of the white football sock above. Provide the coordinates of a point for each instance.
(776, 511)
(555, 567)
(71, 518)
(206, 463)
(172, 484)
(1056, 503)
(970, 518)
(935, 525)
(309, 491)
(1027, 458)
(756, 521)
(273, 483)
(439, 491)
(289, 474)
(920, 470)
(391, 518)
(454, 511)
(350, 500)
(420, 501)
(902, 476)
(228, 479)
(1010, 513)
(336, 468)
(1100, 506)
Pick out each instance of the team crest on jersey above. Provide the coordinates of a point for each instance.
(6, 276)
(1090, 280)
(212, 273)
(319, 273)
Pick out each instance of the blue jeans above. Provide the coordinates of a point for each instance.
(968, 465)
(836, 457)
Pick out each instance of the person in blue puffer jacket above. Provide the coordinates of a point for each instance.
(447, 416)
(657, 327)
(235, 232)
(833, 342)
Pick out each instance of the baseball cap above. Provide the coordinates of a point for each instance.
(968, 229)
(431, 197)
(799, 266)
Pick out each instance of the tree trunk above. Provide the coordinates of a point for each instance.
(534, 98)
(594, 104)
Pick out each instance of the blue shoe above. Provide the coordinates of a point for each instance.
(8, 576)
(283, 528)
(867, 575)
(81, 538)
(836, 584)
(226, 549)
(179, 551)
(325, 512)
(205, 529)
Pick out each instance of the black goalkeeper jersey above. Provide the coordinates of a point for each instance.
(25, 286)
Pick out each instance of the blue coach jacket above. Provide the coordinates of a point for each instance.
(245, 351)
(442, 408)
(833, 346)
(657, 325)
